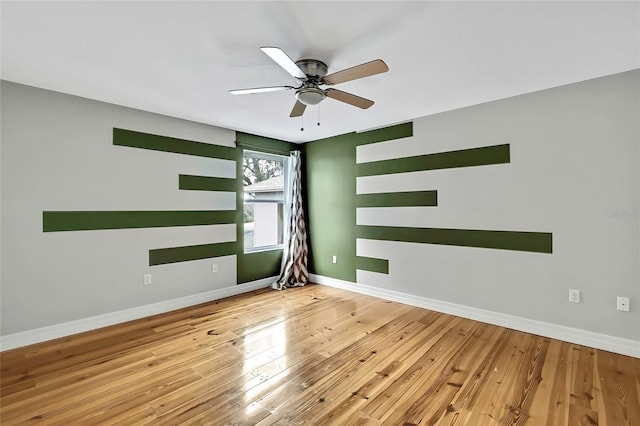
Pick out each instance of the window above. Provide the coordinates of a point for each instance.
(264, 185)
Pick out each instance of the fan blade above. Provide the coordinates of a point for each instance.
(260, 90)
(374, 67)
(298, 109)
(284, 61)
(348, 98)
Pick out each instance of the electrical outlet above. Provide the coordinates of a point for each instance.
(214, 267)
(335, 259)
(623, 304)
(147, 279)
(574, 296)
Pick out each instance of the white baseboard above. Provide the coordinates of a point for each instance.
(30, 337)
(554, 331)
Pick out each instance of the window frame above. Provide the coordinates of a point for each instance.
(269, 157)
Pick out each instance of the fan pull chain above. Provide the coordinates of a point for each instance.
(318, 114)
(302, 121)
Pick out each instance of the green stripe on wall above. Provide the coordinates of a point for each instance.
(398, 131)
(539, 242)
(186, 253)
(372, 264)
(93, 220)
(496, 154)
(135, 139)
(354, 139)
(398, 199)
(206, 183)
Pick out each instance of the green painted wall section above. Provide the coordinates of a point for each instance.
(331, 212)
(206, 183)
(372, 264)
(187, 253)
(482, 156)
(258, 265)
(539, 242)
(53, 221)
(330, 175)
(255, 265)
(263, 144)
(398, 199)
(153, 142)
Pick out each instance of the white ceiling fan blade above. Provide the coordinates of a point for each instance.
(260, 90)
(374, 67)
(349, 98)
(284, 61)
(298, 109)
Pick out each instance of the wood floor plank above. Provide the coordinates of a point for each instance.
(550, 406)
(390, 360)
(315, 355)
(471, 370)
(396, 398)
(619, 384)
(86, 384)
(358, 323)
(353, 362)
(582, 403)
(441, 381)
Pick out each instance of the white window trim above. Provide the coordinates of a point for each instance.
(272, 157)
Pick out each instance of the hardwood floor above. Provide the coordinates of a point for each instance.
(315, 355)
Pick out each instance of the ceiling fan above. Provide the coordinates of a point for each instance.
(312, 73)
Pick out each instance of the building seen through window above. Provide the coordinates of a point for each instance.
(264, 181)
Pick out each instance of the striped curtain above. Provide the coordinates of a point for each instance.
(293, 271)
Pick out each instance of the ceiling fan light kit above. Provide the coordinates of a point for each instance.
(312, 74)
(310, 95)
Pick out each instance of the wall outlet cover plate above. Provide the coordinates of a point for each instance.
(574, 296)
(623, 304)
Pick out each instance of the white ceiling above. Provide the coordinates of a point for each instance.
(180, 58)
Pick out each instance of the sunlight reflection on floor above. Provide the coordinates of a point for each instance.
(264, 358)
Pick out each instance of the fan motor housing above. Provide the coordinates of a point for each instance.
(313, 68)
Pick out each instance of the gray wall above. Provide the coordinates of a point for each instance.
(57, 154)
(573, 172)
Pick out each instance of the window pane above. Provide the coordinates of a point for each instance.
(263, 174)
(263, 179)
(263, 224)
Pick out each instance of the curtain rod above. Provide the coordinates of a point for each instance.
(262, 148)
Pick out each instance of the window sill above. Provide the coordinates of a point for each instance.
(264, 248)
